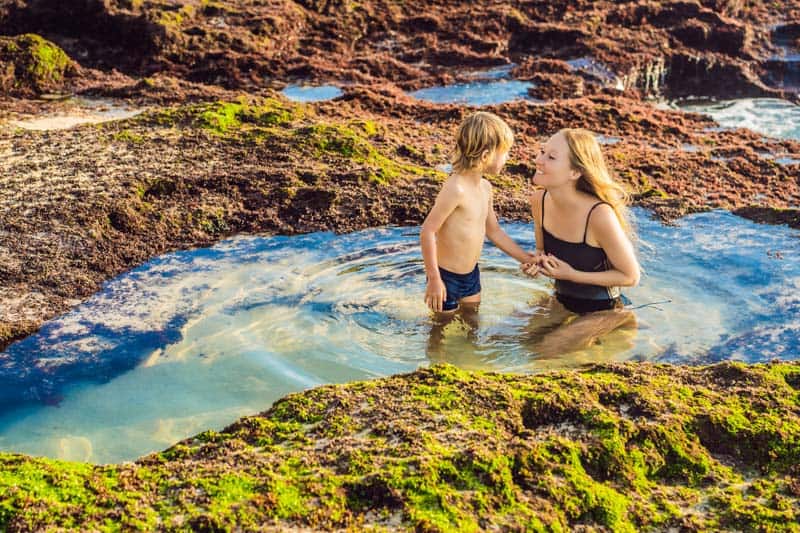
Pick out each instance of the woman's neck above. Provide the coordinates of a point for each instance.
(565, 196)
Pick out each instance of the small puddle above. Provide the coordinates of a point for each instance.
(491, 87)
(312, 93)
(85, 111)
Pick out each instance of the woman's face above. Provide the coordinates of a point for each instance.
(553, 168)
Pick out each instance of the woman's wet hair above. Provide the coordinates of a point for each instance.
(596, 179)
(479, 132)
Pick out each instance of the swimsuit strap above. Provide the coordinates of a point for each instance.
(586, 229)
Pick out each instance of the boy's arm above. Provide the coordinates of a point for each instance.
(500, 238)
(446, 202)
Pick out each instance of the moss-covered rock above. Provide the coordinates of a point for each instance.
(231, 118)
(30, 64)
(267, 121)
(617, 447)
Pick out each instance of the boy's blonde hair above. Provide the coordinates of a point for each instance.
(480, 131)
(586, 157)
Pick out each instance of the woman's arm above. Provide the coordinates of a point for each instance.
(536, 211)
(624, 270)
(533, 267)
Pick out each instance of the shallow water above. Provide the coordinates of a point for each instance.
(598, 70)
(195, 339)
(311, 93)
(490, 87)
(770, 116)
(87, 111)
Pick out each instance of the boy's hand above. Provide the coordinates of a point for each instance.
(535, 258)
(531, 269)
(435, 294)
(532, 265)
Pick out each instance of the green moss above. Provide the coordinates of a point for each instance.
(270, 120)
(350, 144)
(614, 447)
(226, 492)
(38, 62)
(128, 136)
(369, 128)
(290, 502)
(225, 118)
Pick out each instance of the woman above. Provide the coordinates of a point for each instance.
(583, 240)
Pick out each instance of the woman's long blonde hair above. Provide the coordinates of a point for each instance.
(586, 157)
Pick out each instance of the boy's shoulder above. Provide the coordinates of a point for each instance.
(453, 184)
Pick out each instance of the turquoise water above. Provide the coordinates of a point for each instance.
(195, 339)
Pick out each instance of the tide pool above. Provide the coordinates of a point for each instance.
(192, 340)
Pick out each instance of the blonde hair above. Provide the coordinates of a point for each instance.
(586, 157)
(479, 132)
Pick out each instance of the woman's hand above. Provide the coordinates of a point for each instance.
(555, 268)
(533, 264)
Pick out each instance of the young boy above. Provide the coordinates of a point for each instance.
(453, 232)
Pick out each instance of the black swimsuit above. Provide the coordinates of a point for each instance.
(581, 297)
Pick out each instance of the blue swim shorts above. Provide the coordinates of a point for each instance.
(459, 286)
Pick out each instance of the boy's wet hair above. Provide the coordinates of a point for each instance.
(479, 132)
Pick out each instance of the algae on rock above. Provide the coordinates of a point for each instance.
(620, 447)
(31, 64)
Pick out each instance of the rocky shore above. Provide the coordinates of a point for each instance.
(218, 150)
(616, 447)
(82, 205)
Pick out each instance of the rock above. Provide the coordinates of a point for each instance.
(620, 447)
(31, 65)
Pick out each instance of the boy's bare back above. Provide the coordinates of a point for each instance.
(452, 235)
(460, 238)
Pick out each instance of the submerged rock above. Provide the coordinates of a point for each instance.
(619, 447)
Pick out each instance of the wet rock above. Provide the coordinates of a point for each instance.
(703, 75)
(771, 215)
(729, 39)
(31, 65)
(619, 447)
(246, 47)
(116, 34)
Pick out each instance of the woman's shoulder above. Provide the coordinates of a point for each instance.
(603, 219)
